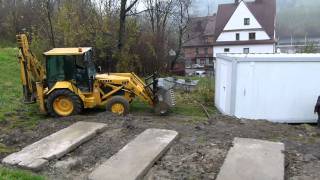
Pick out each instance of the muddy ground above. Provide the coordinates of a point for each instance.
(197, 154)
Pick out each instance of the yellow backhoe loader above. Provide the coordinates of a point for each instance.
(68, 83)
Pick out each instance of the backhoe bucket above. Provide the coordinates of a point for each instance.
(165, 97)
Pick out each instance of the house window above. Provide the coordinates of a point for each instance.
(226, 49)
(246, 21)
(206, 51)
(197, 50)
(246, 50)
(252, 36)
(237, 36)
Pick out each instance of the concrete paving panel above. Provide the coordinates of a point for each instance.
(137, 157)
(38, 154)
(251, 159)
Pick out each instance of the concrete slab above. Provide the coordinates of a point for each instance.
(251, 159)
(38, 154)
(137, 157)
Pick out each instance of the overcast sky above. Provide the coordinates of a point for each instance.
(202, 7)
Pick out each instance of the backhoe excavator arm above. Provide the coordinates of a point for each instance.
(31, 70)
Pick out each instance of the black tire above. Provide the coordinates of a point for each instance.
(121, 100)
(76, 101)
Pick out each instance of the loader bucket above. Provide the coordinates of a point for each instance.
(165, 97)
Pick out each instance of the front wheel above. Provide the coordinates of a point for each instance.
(62, 102)
(118, 105)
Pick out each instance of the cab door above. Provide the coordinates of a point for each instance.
(82, 78)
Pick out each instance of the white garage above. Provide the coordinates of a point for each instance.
(276, 87)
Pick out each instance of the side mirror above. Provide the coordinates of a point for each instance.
(99, 69)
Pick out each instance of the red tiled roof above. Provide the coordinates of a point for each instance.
(224, 13)
(198, 28)
(211, 23)
(197, 41)
(265, 12)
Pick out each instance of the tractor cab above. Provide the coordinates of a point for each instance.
(71, 64)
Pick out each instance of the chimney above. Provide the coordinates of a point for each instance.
(236, 1)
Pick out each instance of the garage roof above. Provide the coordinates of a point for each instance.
(263, 57)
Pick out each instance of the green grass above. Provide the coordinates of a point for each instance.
(6, 149)
(13, 113)
(188, 103)
(11, 174)
(12, 109)
(6, 43)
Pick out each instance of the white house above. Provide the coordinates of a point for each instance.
(245, 27)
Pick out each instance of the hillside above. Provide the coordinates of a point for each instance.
(11, 106)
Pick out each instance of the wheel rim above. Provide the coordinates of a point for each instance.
(63, 106)
(117, 108)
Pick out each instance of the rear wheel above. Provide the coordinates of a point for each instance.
(118, 105)
(63, 102)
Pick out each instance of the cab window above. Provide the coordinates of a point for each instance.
(80, 62)
(55, 68)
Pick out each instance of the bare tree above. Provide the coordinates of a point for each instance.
(182, 17)
(124, 9)
(46, 8)
(14, 15)
(159, 13)
(142, 38)
(49, 11)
